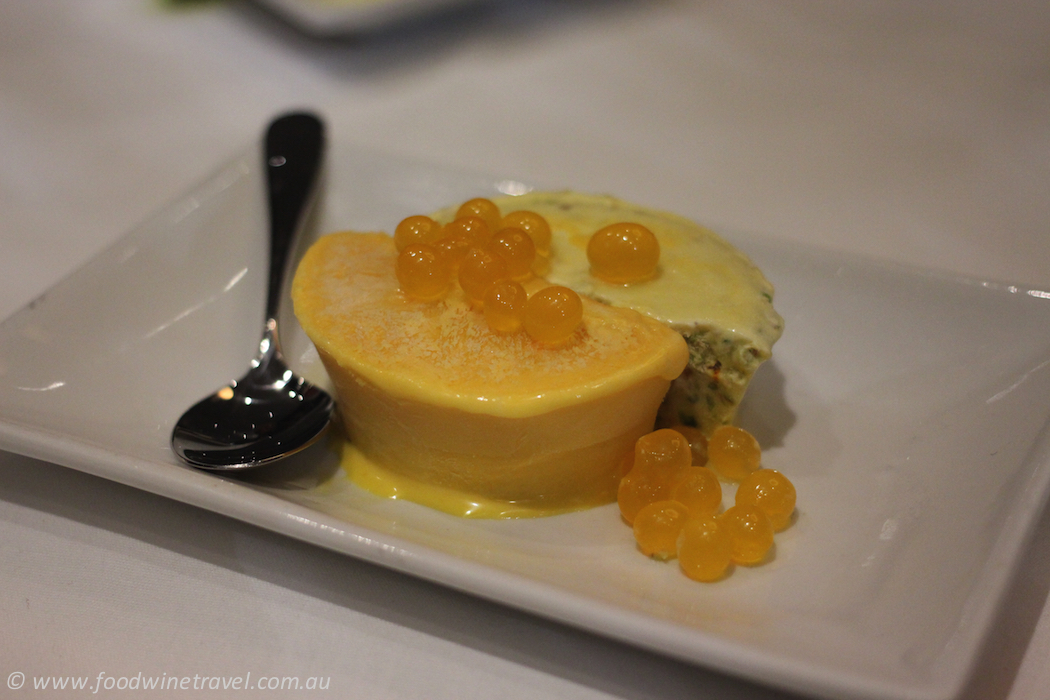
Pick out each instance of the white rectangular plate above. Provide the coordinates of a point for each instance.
(909, 408)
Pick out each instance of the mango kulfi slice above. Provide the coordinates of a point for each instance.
(704, 288)
(442, 410)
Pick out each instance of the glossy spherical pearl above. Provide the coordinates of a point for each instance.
(636, 491)
(704, 549)
(414, 230)
(664, 452)
(479, 270)
(505, 306)
(473, 228)
(484, 209)
(750, 532)
(772, 493)
(553, 314)
(514, 246)
(733, 452)
(623, 253)
(699, 490)
(657, 526)
(423, 272)
(533, 224)
(454, 248)
(697, 443)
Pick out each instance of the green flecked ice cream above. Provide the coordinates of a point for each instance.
(704, 288)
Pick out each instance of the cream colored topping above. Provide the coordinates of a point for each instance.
(701, 282)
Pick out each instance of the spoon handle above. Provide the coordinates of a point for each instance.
(294, 146)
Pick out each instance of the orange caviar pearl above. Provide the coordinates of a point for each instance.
(772, 493)
(423, 272)
(484, 209)
(750, 532)
(697, 443)
(699, 490)
(454, 248)
(663, 452)
(623, 253)
(657, 526)
(473, 227)
(636, 491)
(704, 549)
(479, 270)
(553, 314)
(733, 452)
(533, 224)
(514, 246)
(414, 230)
(505, 306)
(658, 460)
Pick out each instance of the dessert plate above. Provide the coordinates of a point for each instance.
(332, 17)
(908, 407)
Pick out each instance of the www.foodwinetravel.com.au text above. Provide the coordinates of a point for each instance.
(105, 682)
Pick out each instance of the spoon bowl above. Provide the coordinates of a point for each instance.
(270, 412)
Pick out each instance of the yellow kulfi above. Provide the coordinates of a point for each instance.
(441, 410)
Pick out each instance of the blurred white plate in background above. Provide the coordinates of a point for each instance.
(330, 17)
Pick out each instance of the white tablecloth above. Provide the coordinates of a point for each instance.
(916, 132)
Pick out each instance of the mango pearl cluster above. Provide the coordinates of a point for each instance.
(489, 255)
(672, 496)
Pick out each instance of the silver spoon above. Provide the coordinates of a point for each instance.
(270, 412)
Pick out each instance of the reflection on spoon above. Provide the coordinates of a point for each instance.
(270, 412)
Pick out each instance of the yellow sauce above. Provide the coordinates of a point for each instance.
(388, 484)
